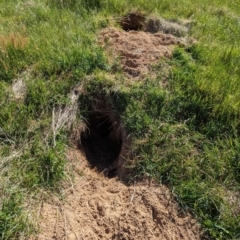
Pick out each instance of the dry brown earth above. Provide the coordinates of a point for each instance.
(96, 207)
(137, 49)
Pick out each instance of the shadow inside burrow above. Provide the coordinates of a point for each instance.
(104, 140)
(132, 21)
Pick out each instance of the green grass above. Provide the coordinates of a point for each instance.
(185, 135)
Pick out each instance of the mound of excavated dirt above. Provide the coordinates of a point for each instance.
(138, 50)
(96, 207)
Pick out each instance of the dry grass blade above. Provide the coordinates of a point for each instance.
(66, 116)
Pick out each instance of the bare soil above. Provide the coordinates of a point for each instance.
(96, 207)
(137, 50)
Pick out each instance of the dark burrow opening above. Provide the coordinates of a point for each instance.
(133, 21)
(102, 141)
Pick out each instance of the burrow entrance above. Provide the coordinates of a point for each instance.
(104, 140)
(133, 21)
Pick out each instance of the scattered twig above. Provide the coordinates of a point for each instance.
(131, 201)
(53, 127)
(132, 197)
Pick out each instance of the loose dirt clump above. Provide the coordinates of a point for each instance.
(137, 49)
(96, 207)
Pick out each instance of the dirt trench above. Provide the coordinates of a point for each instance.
(98, 205)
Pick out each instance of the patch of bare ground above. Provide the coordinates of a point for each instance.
(137, 50)
(96, 207)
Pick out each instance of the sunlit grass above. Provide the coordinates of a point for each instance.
(185, 135)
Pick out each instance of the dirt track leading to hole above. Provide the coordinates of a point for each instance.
(96, 207)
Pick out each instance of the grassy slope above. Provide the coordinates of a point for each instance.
(185, 135)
